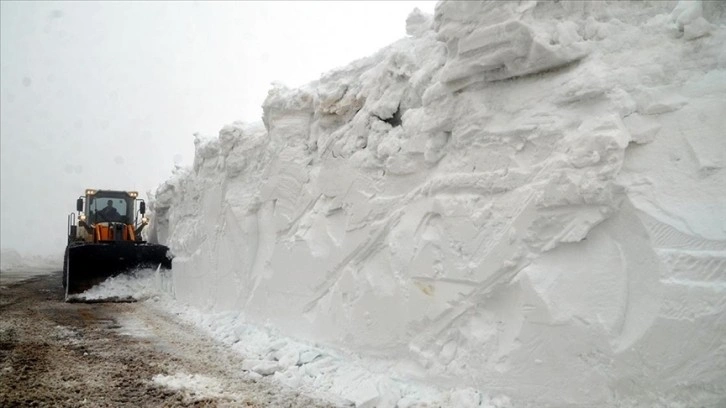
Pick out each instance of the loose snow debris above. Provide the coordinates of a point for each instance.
(198, 386)
(139, 285)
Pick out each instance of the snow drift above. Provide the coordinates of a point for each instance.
(524, 198)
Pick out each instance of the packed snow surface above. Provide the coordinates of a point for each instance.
(520, 198)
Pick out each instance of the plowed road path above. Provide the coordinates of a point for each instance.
(61, 354)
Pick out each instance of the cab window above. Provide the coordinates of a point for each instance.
(98, 211)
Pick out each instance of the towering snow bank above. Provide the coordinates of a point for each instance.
(525, 198)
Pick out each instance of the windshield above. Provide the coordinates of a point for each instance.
(110, 209)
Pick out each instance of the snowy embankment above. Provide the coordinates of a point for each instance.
(525, 199)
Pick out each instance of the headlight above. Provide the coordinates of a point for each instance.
(81, 217)
(145, 220)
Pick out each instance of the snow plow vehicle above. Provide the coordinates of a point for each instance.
(105, 240)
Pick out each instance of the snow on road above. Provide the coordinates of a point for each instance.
(54, 353)
(320, 372)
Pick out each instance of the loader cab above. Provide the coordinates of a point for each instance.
(110, 207)
(102, 206)
(107, 215)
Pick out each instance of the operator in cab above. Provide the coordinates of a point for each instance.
(109, 213)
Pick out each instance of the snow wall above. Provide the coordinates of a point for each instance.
(522, 197)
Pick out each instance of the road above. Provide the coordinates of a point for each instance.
(59, 354)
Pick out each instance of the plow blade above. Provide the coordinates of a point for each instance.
(90, 264)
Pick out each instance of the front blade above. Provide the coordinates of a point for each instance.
(91, 264)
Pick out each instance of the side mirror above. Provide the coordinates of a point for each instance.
(79, 204)
(142, 208)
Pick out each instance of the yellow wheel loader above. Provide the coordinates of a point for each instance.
(104, 240)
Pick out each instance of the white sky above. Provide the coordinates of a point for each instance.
(108, 95)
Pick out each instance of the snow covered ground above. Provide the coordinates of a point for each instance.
(521, 203)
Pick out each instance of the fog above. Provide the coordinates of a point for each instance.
(109, 95)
